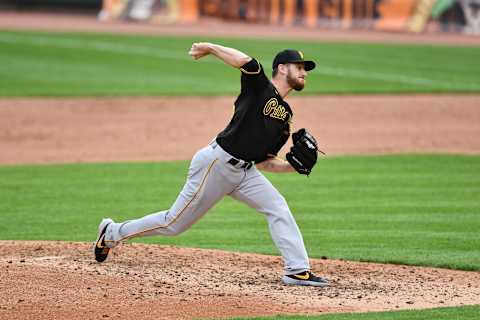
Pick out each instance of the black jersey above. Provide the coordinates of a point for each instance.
(260, 125)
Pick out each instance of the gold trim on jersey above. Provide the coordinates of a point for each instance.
(163, 226)
(252, 72)
(275, 110)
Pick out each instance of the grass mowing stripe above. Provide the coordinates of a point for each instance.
(357, 208)
(128, 49)
(143, 65)
(392, 78)
(459, 313)
(102, 46)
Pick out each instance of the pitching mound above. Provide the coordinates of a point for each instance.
(51, 280)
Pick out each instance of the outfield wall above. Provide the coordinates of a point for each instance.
(384, 15)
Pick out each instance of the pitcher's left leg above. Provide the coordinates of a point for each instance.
(258, 193)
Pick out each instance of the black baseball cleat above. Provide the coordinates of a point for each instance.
(100, 249)
(305, 278)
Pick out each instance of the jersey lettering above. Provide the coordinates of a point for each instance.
(261, 120)
(274, 110)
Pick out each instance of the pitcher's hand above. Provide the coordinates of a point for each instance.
(199, 50)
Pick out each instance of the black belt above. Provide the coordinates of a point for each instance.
(245, 165)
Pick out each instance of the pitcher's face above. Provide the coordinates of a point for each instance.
(296, 76)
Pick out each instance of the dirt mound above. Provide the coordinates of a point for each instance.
(51, 280)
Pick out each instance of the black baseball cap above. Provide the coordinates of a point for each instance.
(292, 56)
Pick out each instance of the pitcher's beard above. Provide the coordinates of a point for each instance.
(295, 83)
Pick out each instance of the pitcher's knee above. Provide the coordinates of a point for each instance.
(174, 229)
(281, 209)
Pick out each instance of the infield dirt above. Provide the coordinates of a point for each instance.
(60, 130)
(51, 280)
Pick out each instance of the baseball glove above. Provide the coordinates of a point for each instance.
(303, 153)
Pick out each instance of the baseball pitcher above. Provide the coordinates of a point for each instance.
(230, 164)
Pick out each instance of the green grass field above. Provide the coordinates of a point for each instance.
(421, 210)
(72, 64)
(408, 209)
(461, 313)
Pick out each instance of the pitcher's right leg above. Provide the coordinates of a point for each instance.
(196, 197)
(205, 185)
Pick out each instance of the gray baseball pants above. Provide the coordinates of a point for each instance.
(210, 178)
